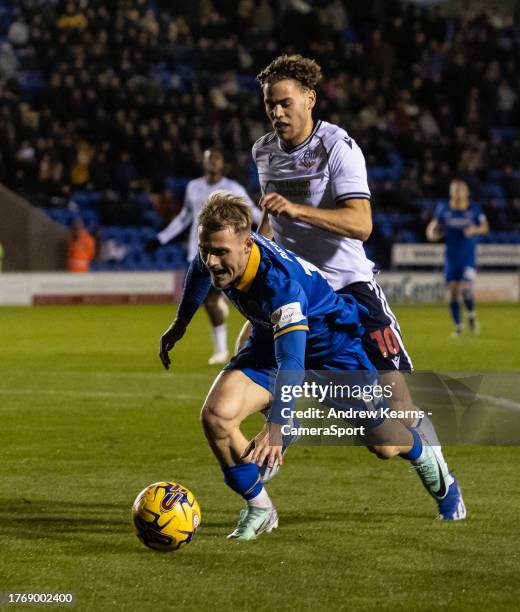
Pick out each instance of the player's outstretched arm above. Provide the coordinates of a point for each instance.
(178, 224)
(352, 218)
(290, 356)
(194, 292)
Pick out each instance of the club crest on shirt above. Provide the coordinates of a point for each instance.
(308, 159)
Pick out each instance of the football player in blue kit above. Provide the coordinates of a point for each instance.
(299, 323)
(460, 222)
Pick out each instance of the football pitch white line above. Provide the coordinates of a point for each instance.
(172, 375)
(106, 394)
(501, 402)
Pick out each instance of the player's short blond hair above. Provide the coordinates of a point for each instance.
(458, 182)
(224, 209)
(302, 69)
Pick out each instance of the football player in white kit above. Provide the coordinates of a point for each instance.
(316, 203)
(197, 192)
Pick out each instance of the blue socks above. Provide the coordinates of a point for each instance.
(416, 450)
(244, 479)
(455, 312)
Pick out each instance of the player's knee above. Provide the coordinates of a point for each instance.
(215, 420)
(212, 298)
(453, 294)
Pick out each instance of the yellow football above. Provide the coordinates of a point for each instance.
(166, 516)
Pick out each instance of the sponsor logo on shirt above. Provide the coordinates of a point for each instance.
(287, 315)
(309, 158)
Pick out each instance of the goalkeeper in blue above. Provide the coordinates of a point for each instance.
(299, 324)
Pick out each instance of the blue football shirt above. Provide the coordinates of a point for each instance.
(461, 250)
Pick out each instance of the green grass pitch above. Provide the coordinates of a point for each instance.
(89, 417)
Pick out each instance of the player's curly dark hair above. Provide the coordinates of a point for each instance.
(224, 209)
(302, 69)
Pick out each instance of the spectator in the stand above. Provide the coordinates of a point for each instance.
(120, 209)
(506, 102)
(125, 173)
(100, 171)
(72, 18)
(18, 33)
(50, 174)
(159, 82)
(263, 17)
(81, 249)
(80, 173)
(8, 60)
(166, 204)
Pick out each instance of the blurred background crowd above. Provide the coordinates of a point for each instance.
(110, 104)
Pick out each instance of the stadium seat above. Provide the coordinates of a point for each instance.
(177, 184)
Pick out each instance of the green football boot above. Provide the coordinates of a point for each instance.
(254, 521)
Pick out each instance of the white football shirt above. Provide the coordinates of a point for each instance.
(324, 169)
(197, 192)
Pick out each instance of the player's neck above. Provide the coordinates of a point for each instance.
(302, 137)
(454, 205)
(212, 179)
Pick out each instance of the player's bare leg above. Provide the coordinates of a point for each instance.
(218, 310)
(401, 399)
(454, 296)
(390, 439)
(232, 398)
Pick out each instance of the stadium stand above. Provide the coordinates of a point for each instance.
(106, 105)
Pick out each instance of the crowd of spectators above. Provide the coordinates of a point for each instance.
(116, 97)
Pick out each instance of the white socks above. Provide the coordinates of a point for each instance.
(427, 428)
(262, 500)
(219, 334)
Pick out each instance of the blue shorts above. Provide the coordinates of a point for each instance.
(262, 370)
(258, 362)
(459, 271)
(383, 342)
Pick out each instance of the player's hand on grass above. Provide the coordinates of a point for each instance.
(266, 445)
(278, 205)
(169, 339)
